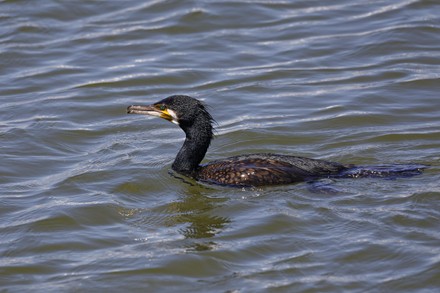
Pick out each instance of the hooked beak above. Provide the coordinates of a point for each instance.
(153, 110)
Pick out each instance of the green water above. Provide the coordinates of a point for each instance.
(87, 199)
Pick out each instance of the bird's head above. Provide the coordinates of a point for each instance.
(178, 109)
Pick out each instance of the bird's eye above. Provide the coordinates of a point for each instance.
(161, 107)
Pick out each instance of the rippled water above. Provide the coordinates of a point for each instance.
(87, 200)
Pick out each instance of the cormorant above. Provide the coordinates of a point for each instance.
(245, 170)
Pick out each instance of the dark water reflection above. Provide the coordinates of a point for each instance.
(194, 211)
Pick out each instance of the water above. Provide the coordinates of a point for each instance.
(87, 201)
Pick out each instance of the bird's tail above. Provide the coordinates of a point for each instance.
(384, 171)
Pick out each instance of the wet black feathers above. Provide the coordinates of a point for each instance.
(245, 170)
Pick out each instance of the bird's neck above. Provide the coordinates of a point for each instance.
(198, 138)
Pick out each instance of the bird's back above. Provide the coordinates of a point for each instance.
(265, 169)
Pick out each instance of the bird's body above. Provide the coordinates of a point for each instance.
(243, 170)
(266, 169)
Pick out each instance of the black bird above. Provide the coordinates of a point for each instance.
(251, 169)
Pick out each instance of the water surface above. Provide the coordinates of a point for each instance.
(87, 199)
